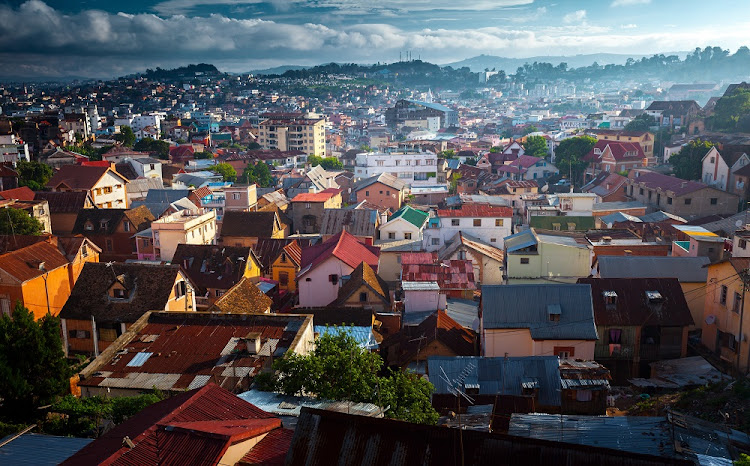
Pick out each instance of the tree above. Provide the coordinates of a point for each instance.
(19, 222)
(449, 154)
(203, 155)
(536, 146)
(35, 175)
(160, 148)
(529, 129)
(569, 156)
(259, 174)
(454, 182)
(339, 369)
(126, 136)
(329, 163)
(688, 162)
(226, 171)
(642, 122)
(33, 370)
(730, 109)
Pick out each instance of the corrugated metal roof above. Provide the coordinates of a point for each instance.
(364, 336)
(685, 269)
(37, 449)
(521, 240)
(420, 286)
(525, 306)
(286, 405)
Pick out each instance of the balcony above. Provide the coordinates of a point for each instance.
(201, 302)
(603, 351)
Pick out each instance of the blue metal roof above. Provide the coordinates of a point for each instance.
(499, 376)
(363, 335)
(37, 449)
(521, 240)
(527, 306)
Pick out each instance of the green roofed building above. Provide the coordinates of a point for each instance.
(406, 223)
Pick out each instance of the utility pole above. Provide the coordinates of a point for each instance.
(743, 277)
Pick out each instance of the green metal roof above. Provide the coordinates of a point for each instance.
(582, 223)
(411, 215)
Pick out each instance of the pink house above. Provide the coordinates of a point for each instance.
(324, 265)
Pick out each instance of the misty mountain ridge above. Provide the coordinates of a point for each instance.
(510, 65)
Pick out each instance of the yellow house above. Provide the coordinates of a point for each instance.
(365, 288)
(723, 311)
(285, 267)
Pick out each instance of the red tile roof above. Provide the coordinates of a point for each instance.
(294, 252)
(419, 258)
(322, 196)
(271, 451)
(78, 177)
(476, 210)
(619, 150)
(678, 186)
(95, 163)
(344, 247)
(24, 193)
(24, 263)
(194, 427)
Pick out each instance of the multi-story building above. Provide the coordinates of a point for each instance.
(105, 186)
(413, 110)
(487, 223)
(290, 132)
(183, 227)
(644, 138)
(413, 167)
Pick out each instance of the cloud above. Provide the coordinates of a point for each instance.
(575, 17)
(617, 3)
(541, 10)
(628, 26)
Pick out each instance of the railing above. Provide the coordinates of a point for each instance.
(201, 301)
(603, 351)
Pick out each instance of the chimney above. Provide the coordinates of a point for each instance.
(606, 239)
(252, 340)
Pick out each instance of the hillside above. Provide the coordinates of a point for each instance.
(510, 65)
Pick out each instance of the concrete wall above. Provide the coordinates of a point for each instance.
(318, 291)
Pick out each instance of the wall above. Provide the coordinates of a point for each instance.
(389, 266)
(700, 201)
(420, 301)
(290, 268)
(319, 291)
(582, 349)
(373, 301)
(696, 301)
(399, 227)
(515, 342)
(488, 232)
(117, 199)
(382, 195)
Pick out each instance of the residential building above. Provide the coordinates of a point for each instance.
(113, 230)
(246, 228)
(64, 208)
(105, 186)
(37, 209)
(294, 132)
(389, 266)
(674, 114)
(286, 265)
(488, 261)
(687, 199)
(723, 325)
(718, 169)
(416, 110)
(41, 273)
(614, 157)
(364, 288)
(406, 223)
(189, 226)
(639, 321)
(527, 167)
(213, 270)
(539, 319)
(383, 190)
(243, 298)
(644, 138)
(487, 223)
(324, 266)
(575, 204)
(110, 297)
(422, 296)
(239, 197)
(412, 167)
(362, 223)
(455, 278)
(609, 187)
(308, 209)
(700, 243)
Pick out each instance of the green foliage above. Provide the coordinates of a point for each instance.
(448, 154)
(529, 129)
(687, 162)
(743, 461)
(160, 148)
(470, 94)
(226, 171)
(259, 174)
(536, 146)
(19, 222)
(329, 163)
(203, 155)
(35, 175)
(339, 369)
(642, 122)
(569, 156)
(88, 150)
(33, 370)
(732, 112)
(495, 149)
(126, 136)
(454, 182)
(253, 146)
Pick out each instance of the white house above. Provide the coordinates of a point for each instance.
(489, 224)
(422, 296)
(406, 223)
(146, 167)
(581, 204)
(414, 168)
(718, 170)
(142, 121)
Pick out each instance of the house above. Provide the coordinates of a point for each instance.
(488, 261)
(614, 157)
(575, 204)
(639, 321)
(700, 242)
(510, 190)
(692, 273)
(267, 250)
(584, 387)
(390, 258)
(643, 138)
(718, 168)
(687, 199)
(112, 230)
(527, 167)
(109, 297)
(454, 277)
(162, 349)
(422, 296)
(105, 186)
(539, 319)
(286, 265)
(437, 335)
(37, 209)
(673, 114)
(24, 193)
(324, 265)
(187, 226)
(222, 428)
(308, 209)
(562, 222)
(407, 223)
(609, 187)
(240, 197)
(213, 270)
(364, 288)
(245, 228)
(383, 190)
(487, 223)
(40, 275)
(362, 223)
(138, 189)
(723, 328)
(532, 256)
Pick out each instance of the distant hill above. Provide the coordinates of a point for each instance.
(510, 65)
(278, 69)
(183, 72)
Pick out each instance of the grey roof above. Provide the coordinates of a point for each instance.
(358, 222)
(432, 105)
(283, 405)
(399, 245)
(528, 306)
(464, 311)
(727, 225)
(498, 376)
(520, 241)
(619, 217)
(685, 269)
(617, 205)
(166, 196)
(384, 178)
(37, 449)
(420, 286)
(661, 216)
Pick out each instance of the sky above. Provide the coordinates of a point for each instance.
(106, 38)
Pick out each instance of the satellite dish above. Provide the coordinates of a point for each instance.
(738, 223)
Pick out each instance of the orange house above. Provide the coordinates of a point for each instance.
(41, 276)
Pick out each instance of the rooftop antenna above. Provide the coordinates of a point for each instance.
(455, 388)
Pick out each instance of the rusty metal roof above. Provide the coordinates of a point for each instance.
(450, 275)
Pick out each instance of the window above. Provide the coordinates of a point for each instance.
(688, 201)
(307, 205)
(461, 255)
(333, 278)
(669, 200)
(180, 289)
(367, 193)
(381, 192)
(723, 296)
(714, 201)
(498, 222)
(79, 334)
(564, 352)
(477, 222)
(219, 293)
(640, 191)
(455, 222)
(742, 244)
(109, 245)
(363, 297)
(387, 193)
(524, 260)
(284, 278)
(391, 235)
(89, 226)
(126, 226)
(435, 241)
(119, 293)
(236, 196)
(556, 226)
(407, 235)
(493, 240)
(737, 302)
